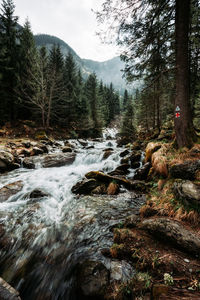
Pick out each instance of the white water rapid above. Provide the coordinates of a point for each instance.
(46, 238)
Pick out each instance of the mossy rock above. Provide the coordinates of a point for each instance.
(41, 135)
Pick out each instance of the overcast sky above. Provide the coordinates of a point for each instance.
(71, 20)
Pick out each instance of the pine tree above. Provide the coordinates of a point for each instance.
(128, 126)
(103, 104)
(91, 93)
(9, 41)
(28, 70)
(70, 81)
(125, 100)
(146, 31)
(55, 85)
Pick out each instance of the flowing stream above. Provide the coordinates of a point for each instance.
(47, 238)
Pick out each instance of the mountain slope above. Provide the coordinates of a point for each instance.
(108, 71)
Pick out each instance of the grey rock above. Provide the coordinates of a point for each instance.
(107, 153)
(7, 292)
(50, 160)
(85, 186)
(171, 231)
(93, 279)
(186, 170)
(38, 194)
(7, 161)
(9, 190)
(188, 192)
(142, 173)
(124, 153)
(66, 149)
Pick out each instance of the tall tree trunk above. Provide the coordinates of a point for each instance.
(158, 103)
(184, 130)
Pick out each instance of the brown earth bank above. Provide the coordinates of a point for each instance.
(163, 242)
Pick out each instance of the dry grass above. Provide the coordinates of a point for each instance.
(184, 154)
(165, 204)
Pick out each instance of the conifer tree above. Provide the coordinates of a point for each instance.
(125, 100)
(128, 126)
(28, 70)
(91, 92)
(70, 81)
(9, 41)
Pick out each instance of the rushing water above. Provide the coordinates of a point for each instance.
(47, 238)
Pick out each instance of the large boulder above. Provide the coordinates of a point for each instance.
(66, 149)
(124, 153)
(23, 152)
(121, 170)
(136, 145)
(150, 149)
(37, 193)
(50, 160)
(135, 158)
(188, 192)
(83, 142)
(7, 161)
(93, 279)
(168, 230)
(123, 141)
(159, 162)
(186, 170)
(142, 173)
(107, 153)
(9, 190)
(113, 189)
(105, 178)
(7, 292)
(36, 151)
(85, 186)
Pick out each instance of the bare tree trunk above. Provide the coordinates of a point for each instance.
(43, 118)
(184, 130)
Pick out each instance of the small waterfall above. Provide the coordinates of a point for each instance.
(48, 237)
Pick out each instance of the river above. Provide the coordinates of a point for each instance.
(47, 238)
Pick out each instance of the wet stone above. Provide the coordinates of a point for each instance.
(9, 190)
(124, 153)
(93, 279)
(85, 186)
(7, 292)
